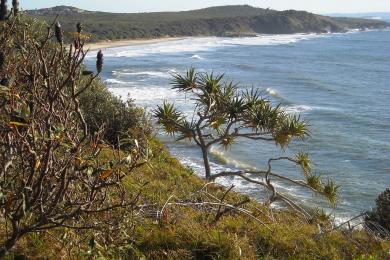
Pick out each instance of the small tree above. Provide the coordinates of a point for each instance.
(224, 114)
(51, 175)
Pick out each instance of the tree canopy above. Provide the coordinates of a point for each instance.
(224, 113)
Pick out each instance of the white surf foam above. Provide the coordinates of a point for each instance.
(200, 44)
(272, 92)
(111, 82)
(196, 57)
(276, 94)
(146, 94)
(186, 45)
(294, 109)
(158, 74)
(271, 39)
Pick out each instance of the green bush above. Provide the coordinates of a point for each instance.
(52, 173)
(380, 217)
(122, 119)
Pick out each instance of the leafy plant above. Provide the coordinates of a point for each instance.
(121, 119)
(51, 175)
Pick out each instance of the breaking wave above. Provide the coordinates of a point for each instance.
(115, 82)
(158, 74)
(295, 109)
(200, 44)
(222, 158)
(272, 92)
(196, 57)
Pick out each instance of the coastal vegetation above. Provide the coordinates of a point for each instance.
(378, 220)
(51, 173)
(241, 20)
(82, 175)
(224, 114)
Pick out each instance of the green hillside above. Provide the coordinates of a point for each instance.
(213, 21)
(83, 176)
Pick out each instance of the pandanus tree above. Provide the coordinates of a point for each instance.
(51, 174)
(224, 114)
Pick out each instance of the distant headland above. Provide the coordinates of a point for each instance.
(233, 21)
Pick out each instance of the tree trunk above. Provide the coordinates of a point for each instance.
(205, 153)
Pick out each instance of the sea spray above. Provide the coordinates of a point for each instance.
(222, 158)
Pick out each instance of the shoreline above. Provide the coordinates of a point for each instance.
(131, 42)
(107, 44)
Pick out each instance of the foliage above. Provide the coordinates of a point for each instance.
(379, 218)
(121, 119)
(51, 175)
(224, 114)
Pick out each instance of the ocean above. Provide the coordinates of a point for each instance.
(339, 83)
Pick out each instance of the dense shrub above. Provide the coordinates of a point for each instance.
(379, 217)
(51, 170)
(121, 118)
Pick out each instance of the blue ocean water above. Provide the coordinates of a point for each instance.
(340, 83)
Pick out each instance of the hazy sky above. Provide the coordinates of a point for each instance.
(318, 6)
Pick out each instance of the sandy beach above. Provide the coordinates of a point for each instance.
(120, 43)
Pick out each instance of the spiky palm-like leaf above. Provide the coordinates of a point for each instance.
(187, 82)
(169, 117)
(321, 216)
(253, 98)
(228, 142)
(290, 127)
(224, 96)
(236, 107)
(211, 83)
(304, 161)
(315, 182)
(186, 131)
(264, 117)
(217, 122)
(297, 127)
(331, 191)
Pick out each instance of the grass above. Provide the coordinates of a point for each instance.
(190, 233)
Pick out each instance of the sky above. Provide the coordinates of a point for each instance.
(134, 6)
